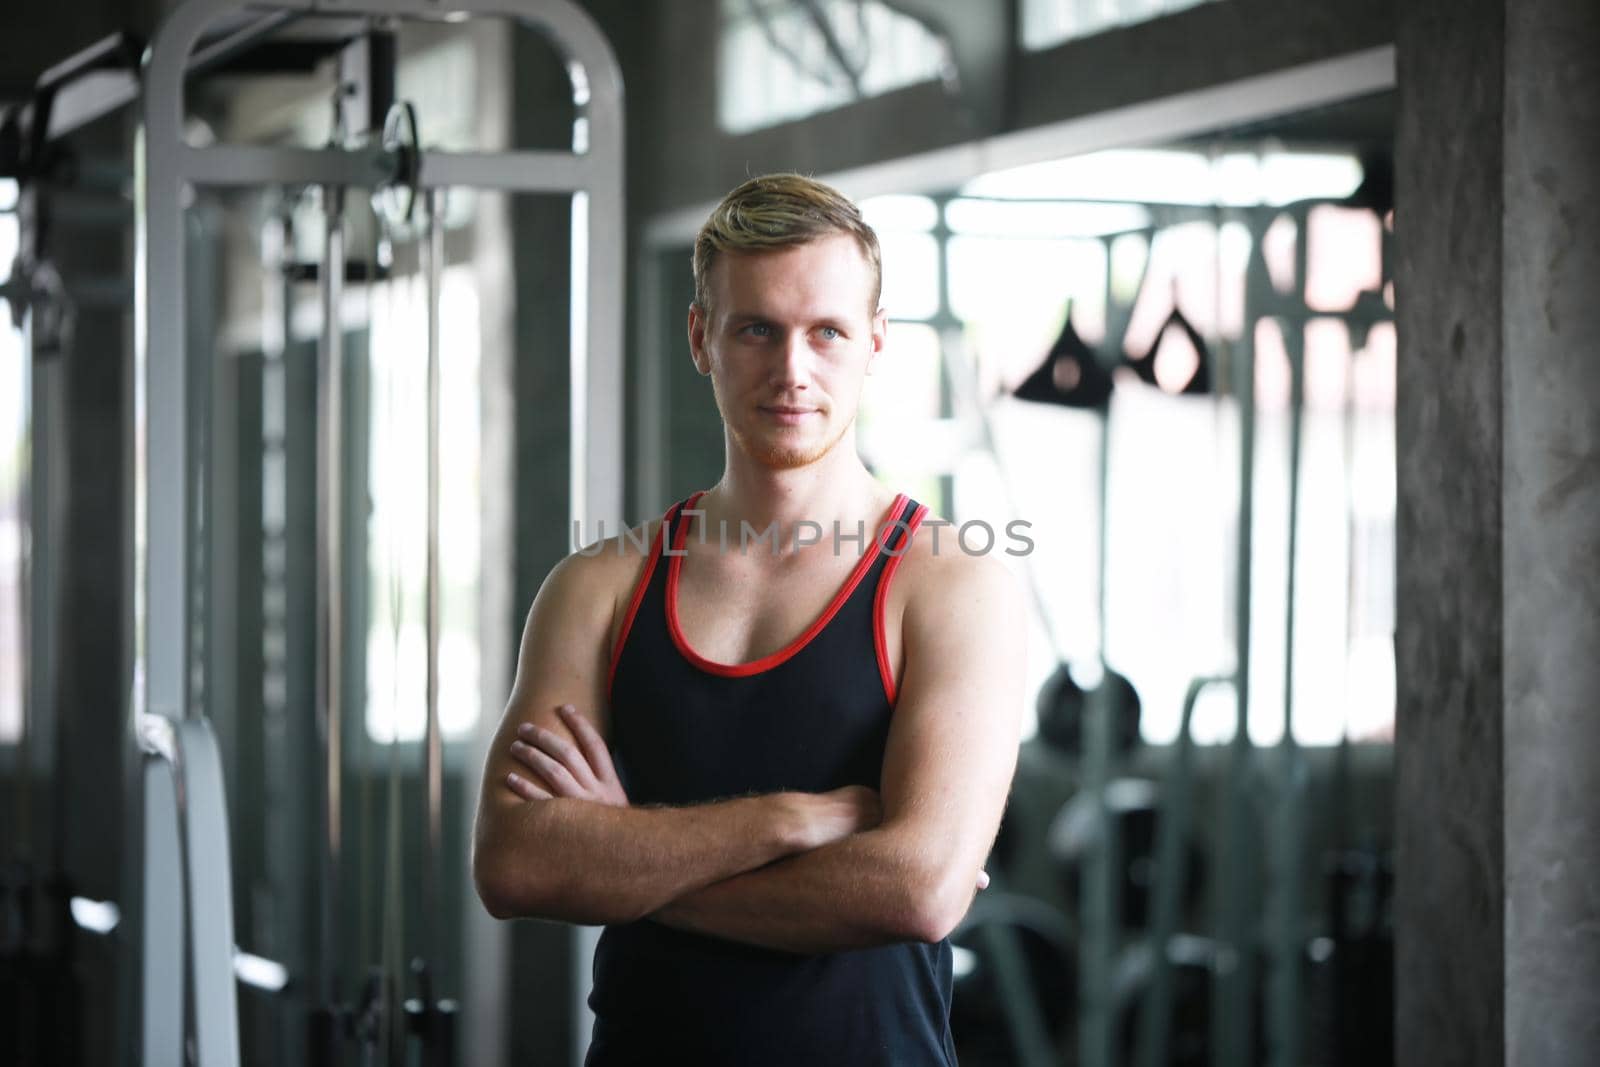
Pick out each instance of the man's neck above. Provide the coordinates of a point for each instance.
(835, 489)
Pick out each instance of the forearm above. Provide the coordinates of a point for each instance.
(584, 862)
(873, 888)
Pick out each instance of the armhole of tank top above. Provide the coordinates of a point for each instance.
(880, 642)
(638, 596)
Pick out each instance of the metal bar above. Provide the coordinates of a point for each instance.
(162, 368)
(582, 514)
(258, 165)
(225, 48)
(36, 668)
(161, 964)
(484, 991)
(288, 659)
(1231, 1008)
(190, 998)
(598, 349)
(85, 61)
(597, 88)
(330, 600)
(517, 172)
(198, 337)
(90, 97)
(1099, 918)
(433, 748)
(1099, 906)
(204, 821)
(1171, 872)
(1284, 869)
(370, 166)
(1103, 534)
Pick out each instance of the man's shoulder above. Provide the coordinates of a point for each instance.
(608, 564)
(944, 569)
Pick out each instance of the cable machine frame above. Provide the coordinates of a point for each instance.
(185, 932)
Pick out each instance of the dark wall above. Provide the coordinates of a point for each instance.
(680, 158)
(37, 36)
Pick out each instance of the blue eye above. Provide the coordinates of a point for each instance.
(830, 333)
(758, 329)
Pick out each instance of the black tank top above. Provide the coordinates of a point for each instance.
(812, 716)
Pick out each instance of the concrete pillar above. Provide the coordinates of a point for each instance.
(1551, 529)
(1498, 631)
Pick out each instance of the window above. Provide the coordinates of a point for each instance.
(1117, 236)
(780, 60)
(1046, 23)
(397, 526)
(14, 460)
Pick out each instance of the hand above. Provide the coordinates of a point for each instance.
(562, 769)
(836, 814)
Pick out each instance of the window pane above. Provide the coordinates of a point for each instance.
(1013, 295)
(1049, 22)
(775, 66)
(14, 390)
(397, 527)
(910, 275)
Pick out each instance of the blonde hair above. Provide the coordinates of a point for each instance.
(774, 211)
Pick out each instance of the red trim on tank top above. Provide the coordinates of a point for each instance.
(880, 643)
(638, 597)
(772, 659)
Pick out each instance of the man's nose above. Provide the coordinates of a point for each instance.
(794, 363)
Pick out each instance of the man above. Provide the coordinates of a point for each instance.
(814, 732)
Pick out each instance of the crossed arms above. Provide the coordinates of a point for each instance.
(806, 873)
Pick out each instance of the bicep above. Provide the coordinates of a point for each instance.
(561, 660)
(953, 741)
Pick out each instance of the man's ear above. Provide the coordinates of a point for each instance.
(699, 319)
(880, 337)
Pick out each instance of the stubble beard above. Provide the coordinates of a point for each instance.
(775, 454)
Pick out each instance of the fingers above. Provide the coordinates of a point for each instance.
(558, 749)
(551, 772)
(595, 752)
(524, 788)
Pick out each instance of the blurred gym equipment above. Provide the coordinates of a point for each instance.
(176, 918)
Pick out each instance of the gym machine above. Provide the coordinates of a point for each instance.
(176, 915)
(1128, 972)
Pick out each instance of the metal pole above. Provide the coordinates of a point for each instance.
(330, 623)
(433, 750)
(284, 733)
(1284, 857)
(1232, 1011)
(1154, 1048)
(32, 590)
(1101, 923)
